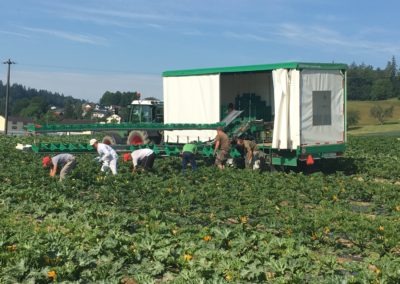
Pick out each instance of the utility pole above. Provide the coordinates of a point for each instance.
(9, 62)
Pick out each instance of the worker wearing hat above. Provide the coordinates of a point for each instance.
(107, 156)
(141, 159)
(64, 163)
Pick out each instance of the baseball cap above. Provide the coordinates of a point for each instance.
(92, 141)
(46, 161)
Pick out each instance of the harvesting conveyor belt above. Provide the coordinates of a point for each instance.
(34, 128)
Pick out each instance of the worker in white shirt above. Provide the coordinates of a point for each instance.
(141, 158)
(107, 156)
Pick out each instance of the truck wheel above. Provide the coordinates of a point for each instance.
(137, 137)
(112, 139)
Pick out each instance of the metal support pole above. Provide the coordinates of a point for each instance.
(9, 62)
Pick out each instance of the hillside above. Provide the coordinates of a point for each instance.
(368, 124)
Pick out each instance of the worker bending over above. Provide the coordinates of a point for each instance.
(249, 148)
(222, 147)
(189, 151)
(107, 156)
(64, 163)
(142, 159)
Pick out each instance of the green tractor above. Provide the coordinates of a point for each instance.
(140, 111)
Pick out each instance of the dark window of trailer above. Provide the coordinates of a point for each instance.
(322, 114)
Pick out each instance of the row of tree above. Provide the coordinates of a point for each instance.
(367, 83)
(32, 103)
(36, 104)
(121, 99)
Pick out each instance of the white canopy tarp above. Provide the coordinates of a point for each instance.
(286, 133)
(191, 99)
(322, 107)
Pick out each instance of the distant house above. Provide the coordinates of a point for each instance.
(99, 113)
(57, 111)
(112, 108)
(115, 118)
(15, 124)
(87, 107)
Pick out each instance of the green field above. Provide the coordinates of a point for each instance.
(369, 125)
(337, 225)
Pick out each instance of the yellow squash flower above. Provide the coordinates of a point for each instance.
(207, 238)
(52, 274)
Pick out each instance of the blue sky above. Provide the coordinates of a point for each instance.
(84, 48)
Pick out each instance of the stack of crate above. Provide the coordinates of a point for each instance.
(253, 106)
